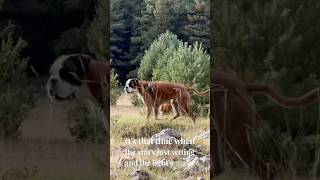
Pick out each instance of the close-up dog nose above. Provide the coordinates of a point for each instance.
(54, 81)
(51, 92)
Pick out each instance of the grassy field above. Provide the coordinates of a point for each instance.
(129, 122)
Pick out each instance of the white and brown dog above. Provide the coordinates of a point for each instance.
(72, 74)
(153, 94)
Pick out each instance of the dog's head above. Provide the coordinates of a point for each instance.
(131, 86)
(165, 108)
(66, 74)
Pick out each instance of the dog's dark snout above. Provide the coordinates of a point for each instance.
(54, 81)
(51, 93)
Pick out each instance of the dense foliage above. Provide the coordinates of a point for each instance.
(275, 42)
(197, 28)
(155, 53)
(136, 24)
(98, 33)
(14, 97)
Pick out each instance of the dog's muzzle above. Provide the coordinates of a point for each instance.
(70, 97)
(127, 90)
(56, 96)
(53, 95)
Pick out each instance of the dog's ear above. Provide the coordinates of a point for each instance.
(135, 81)
(84, 61)
(75, 68)
(70, 77)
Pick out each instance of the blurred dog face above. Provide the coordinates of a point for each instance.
(66, 74)
(131, 86)
(165, 108)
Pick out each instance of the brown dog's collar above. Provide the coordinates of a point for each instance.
(145, 88)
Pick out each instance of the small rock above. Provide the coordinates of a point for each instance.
(191, 158)
(165, 135)
(205, 160)
(141, 175)
(204, 135)
(171, 132)
(196, 165)
(197, 153)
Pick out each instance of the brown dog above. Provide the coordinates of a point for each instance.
(233, 116)
(153, 94)
(165, 109)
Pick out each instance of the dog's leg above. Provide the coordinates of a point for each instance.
(156, 110)
(148, 112)
(175, 109)
(186, 108)
(161, 113)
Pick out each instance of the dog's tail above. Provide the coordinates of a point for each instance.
(196, 92)
(291, 103)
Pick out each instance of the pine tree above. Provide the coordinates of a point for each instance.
(73, 40)
(252, 38)
(155, 53)
(121, 29)
(98, 31)
(198, 24)
(156, 17)
(139, 41)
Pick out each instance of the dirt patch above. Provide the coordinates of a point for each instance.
(124, 107)
(46, 144)
(46, 121)
(124, 100)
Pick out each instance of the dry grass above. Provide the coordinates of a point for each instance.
(129, 122)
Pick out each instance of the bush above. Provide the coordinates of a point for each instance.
(136, 101)
(170, 59)
(71, 41)
(85, 124)
(115, 92)
(14, 97)
(165, 41)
